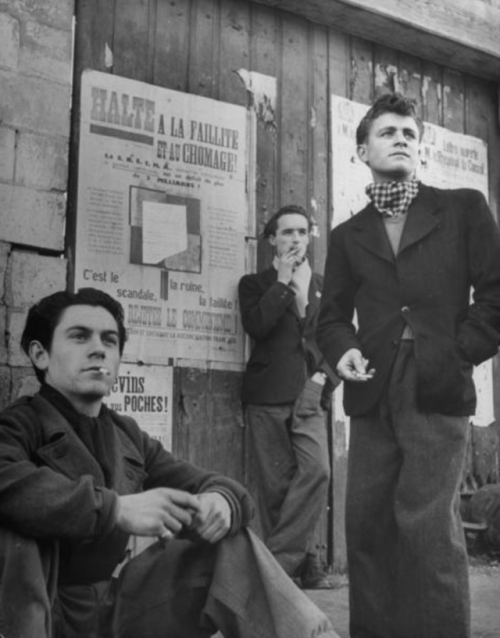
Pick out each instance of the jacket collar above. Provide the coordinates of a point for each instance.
(423, 217)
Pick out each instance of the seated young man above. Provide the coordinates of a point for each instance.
(77, 479)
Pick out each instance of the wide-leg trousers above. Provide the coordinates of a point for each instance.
(406, 552)
(177, 590)
(289, 446)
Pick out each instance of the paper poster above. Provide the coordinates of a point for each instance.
(162, 214)
(164, 231)
(448, 160)
(145, 394)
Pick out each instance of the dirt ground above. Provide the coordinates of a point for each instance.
(485, 591)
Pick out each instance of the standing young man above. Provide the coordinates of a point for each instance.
(77, 479)
(406, 264)
(286, 388)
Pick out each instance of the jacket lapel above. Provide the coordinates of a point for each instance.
(371, 234)
(313, 297)
(423, 217)
(64, 451)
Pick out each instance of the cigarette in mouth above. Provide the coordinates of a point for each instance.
(103, 370)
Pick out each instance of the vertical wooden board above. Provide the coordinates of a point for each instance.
(263, 39)
(361, 71)
(94, 34)
(227, 454)
(318, 179)
(294, 111)
(496, 398)
(318, 161)
(493, 114)
(453, 101)
(481, 120)
(338, 62)
(93, 38)
(234, 50)
(263, 53)
(208, 420)
(227, 448)
(410, 78)
(339, 475)
(339, 79)
(226, 439)
(180, 420)
(171, 52)
(360, 84)
(226, 436)
(385, 70)
(432, 93)
(192, 407)
(476, 110)
(133, 42)
(203, 48)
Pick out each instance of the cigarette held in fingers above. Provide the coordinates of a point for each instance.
(166, 536)
(365, 375)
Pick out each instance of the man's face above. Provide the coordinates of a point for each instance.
(292, 235)
(84, 356)
(391, 150)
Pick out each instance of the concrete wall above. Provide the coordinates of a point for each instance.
(35, 93)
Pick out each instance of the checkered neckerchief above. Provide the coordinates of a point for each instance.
(392, 198)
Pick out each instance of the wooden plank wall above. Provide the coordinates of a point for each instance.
(197, 46)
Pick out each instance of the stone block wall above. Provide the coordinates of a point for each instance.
(36, 48)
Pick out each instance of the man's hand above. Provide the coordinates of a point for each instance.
(353, 366)
(286, 264)
(213, 520)
(153, 512)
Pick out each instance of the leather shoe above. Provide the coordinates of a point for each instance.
(313, 575)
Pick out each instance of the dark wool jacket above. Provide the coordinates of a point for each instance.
(450, 245)
(52, 488)
(284, 351)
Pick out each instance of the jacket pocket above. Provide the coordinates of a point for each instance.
(257, 363)
(134, 473)
(444, 376)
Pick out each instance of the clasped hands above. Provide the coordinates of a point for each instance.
(165, 512)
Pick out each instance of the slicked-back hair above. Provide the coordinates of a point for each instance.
(388, 103)
(290, 209)
(45, 315)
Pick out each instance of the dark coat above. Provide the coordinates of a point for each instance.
(450, 243)
(284, 352)
(53, 501)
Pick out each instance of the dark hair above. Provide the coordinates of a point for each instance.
(290, 209)
(388, 103)
(45, 315)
